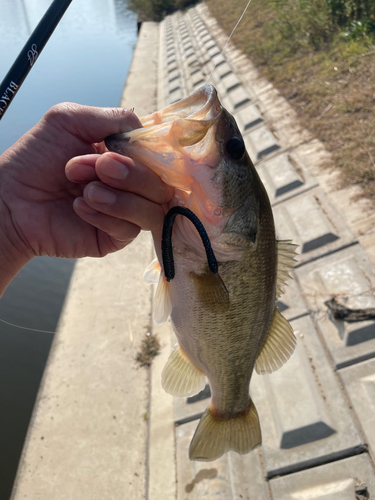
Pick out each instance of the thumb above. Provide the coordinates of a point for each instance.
(91, 124)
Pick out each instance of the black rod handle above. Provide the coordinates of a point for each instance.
(30, 52)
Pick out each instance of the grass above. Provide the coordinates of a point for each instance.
(329, 80)
(156, 10)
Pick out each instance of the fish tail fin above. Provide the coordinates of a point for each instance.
(215, 435)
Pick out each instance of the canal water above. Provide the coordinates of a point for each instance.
(85, 61)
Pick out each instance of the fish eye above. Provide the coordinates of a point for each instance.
(235, 148)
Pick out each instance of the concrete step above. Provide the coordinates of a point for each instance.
(304, 413)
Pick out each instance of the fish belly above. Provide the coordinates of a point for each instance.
(224, 345)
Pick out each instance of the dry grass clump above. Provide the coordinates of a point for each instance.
(327, 77)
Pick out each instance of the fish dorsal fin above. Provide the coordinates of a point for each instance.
(180, 377)
(286, 252)
(152, 272)
(277, 346)
(162, 301)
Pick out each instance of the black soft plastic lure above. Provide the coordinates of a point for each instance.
(166, 242)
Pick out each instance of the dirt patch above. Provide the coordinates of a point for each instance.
(149, 349)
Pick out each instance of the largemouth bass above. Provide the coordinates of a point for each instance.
(226, 324)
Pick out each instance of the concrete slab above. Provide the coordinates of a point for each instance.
(231, 477)
(145, 62)
(173, 75)
(358, 211)
(349, 479)
(291, 303)
(209, 43)
(175, 95)
(88, 436)
(349, 276)
(304, 417)
(260, 142)
(162, 464)
(222, 70)
(218, 60)
(247, 117)
(197, 80)
(310, 221)
(226, 84)
(285, 176)
(359, 381)
(213, 51)
(238, 98)
(192, 408)
(171, 57)
(189, 53)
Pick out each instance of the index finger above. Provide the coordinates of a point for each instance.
(121, 172)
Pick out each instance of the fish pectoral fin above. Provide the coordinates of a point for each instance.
(162, 301)
(212, 292)
(278, 345)
(216, 435)
(180, 377)
(152, 272)
(286, 252)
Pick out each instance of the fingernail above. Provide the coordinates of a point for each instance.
(97, 194)
(116, 170)
(82, 206)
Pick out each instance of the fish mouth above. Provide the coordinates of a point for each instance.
(169, 134)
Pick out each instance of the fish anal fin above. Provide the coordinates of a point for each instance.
(212, 292)
(152, 272)
(286, 252)
(162, 301)
(180, 377)
(216, 435)
(277, 347)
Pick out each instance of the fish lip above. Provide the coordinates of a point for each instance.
(202, 106)
(207, 94)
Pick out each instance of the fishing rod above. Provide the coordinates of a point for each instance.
(30, 52)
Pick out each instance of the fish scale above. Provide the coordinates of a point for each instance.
(226, 324)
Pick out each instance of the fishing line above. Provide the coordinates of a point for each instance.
(166, 241)
(25, 327)
(230, 36)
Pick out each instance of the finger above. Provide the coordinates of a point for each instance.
(81, 169)
(121, 232)
(121, 172)
(124, 205)
(91, 124)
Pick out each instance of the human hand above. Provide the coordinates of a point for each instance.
(45, 212)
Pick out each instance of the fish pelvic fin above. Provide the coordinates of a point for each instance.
(286, 252)
(278, 345)
(162, 300)
(216, 435)
(212, 292)
(180, 377)
(152, 272)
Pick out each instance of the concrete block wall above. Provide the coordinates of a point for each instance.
(316, 412)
